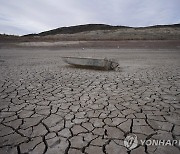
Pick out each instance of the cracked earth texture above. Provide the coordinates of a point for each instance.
(49, 107)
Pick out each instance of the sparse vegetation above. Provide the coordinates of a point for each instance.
(98, 32)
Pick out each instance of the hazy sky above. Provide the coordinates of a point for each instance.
(33, 16)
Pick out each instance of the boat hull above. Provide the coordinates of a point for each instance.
(90, 62)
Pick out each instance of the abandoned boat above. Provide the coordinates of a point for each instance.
(106, 64)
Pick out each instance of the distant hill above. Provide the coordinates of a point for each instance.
(78, 29)
(94, 27)
(100, 32)
(9, 38)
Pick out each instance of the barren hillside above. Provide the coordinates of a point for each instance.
(99, 32)
(107, 32)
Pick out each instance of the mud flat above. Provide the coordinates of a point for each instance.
(49, 107)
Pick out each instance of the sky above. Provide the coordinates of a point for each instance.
(21, 17)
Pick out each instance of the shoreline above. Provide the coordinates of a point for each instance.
(127, 44)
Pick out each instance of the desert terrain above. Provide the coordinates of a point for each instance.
(48, 106)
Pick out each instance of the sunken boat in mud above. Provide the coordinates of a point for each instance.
(107, 64)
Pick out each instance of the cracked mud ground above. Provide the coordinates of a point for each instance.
(48, 107)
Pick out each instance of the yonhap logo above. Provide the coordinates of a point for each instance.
(131, 141)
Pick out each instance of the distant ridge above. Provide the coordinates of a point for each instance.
(100, 32)
(92, 27)
(78, 29)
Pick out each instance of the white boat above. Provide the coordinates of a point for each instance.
(106, 64)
